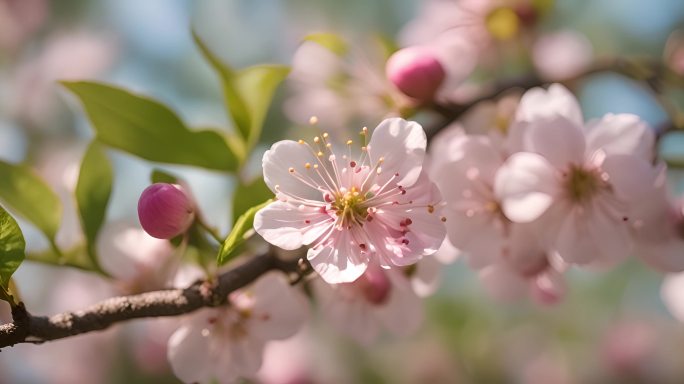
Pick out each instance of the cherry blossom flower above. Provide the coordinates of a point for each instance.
(379, 300)
(481, 23)
(475, 222)
(340, 88)
(578, 180)
(378, 207)
(137, 260)
(561, 55)
(224, 344)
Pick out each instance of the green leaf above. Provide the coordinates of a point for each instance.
(92, 194)
(29, 196)
(257, 85)
(247, 93)
(159, 176)
(146, 128)
(239, 233)
(331, 41)
(12, 246)
(249, 195)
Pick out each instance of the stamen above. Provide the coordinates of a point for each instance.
(313, 120)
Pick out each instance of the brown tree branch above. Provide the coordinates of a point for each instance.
(652, 74)
(27, 328)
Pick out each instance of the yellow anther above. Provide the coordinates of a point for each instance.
(315, 166)
(381, 160)
(291, 170)
(363, 148)
(325, 135)
(349, 142)
(317, 139)
(307, 165)
(300, 141)
(431, 208)
(313, 120)
(328, 145)
(319, 154)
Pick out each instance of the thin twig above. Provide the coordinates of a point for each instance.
(27, 328)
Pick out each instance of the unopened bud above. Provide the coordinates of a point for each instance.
(416, 72)
(165, 210)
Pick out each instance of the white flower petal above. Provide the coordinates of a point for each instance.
(241, 357)
(556, 138)
(401, 144)
(341, 261)
(287, 154)
(623, 134)
(279, 310)
(592, 236)
(478, 236)
(189, 355)
(526, 185)
(672, 293)
(631, 177)
(538, 103)
(345, 308)
(289, 227)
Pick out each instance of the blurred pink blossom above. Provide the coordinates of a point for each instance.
(379, 300)
(19, 20)
(72, 55)
(225, 344)
(137, 260)
(561, 55)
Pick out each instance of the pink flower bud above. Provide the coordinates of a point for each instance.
(165, 211)
(375, 285)
(416, 72)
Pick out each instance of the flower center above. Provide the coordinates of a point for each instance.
(502, 23)
(348, 205)
(582, 184)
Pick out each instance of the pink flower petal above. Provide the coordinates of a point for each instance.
(526, 186)
(538, 103)
(623, 133)
(556, 138)
(340, 261)
(401, 144)
(289, 227)
(280, 310)
(631, 177)
(278, 162)
(189, 355)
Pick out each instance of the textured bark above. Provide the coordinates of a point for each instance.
(27, 328)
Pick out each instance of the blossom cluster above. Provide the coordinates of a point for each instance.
(533, 190)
